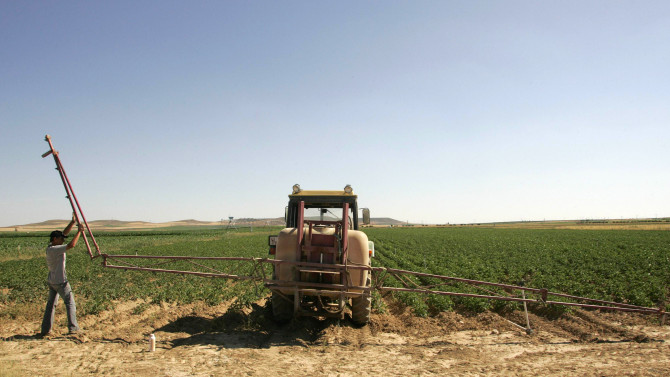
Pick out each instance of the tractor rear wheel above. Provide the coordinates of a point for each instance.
(282, 307)
(361, 307)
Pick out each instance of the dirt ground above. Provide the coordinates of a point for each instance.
(200, 340)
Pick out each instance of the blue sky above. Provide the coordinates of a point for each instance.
(434, 111)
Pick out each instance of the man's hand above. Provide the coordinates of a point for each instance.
(73, 243)
(69, 226)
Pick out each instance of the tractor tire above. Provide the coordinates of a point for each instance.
(282, 309)
(360, 308)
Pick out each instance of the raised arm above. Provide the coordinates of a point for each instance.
(73, 243)
(69, 226)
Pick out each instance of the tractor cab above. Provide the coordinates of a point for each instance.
(324, 206)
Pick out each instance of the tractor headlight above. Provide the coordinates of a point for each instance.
(296, 188)
(348, 189)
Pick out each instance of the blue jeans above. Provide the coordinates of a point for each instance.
(64, 291)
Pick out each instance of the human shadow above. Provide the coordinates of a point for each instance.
(23, 337)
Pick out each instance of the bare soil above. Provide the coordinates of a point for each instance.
(201, 340)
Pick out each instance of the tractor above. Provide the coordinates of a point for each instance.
(323, 259)
(321, 264)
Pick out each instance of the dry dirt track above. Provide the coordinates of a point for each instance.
(199, 340)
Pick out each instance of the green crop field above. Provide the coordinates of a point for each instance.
(621, 265)
(617, 265)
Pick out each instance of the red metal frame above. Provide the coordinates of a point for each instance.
(76, 209)
(318, 279)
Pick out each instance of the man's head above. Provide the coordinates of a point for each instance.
(57, 237)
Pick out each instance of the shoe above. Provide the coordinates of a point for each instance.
(41, 335)
(74, 332)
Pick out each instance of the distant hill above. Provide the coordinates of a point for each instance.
(385, 221)
(131, 225)
(662, 223)
(48, 223)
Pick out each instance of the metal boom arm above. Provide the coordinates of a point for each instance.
(74, 203)
(384, 280)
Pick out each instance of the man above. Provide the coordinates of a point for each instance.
(57, 280)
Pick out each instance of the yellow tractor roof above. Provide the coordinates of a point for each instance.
(304, 193)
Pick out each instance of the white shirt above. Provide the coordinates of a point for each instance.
(56, 263)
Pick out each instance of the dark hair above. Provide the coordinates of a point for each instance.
(56, 233)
